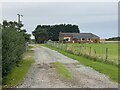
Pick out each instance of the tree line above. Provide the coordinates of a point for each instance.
(14, 40)
(113, 39)
(43, 33)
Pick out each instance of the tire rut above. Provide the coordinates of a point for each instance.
(43, 75)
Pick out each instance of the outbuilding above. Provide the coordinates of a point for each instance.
(78, 38)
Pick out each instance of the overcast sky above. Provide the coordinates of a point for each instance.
(100, 18)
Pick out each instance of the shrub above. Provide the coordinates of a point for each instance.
(13, 46)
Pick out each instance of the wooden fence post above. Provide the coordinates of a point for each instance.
(80, 50)
(66, 47)
(90, 52)
(59, 45)
(95, 52)
(106, 55)
(119, 62)
(53, 43)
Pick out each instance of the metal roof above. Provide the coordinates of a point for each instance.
(80, 35)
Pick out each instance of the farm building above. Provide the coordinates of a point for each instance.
(78, 38)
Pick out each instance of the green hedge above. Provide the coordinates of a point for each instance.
(13, 46)
(0, 56)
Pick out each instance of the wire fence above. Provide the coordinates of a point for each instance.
(101, 54)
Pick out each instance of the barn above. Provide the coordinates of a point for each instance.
(78, 38)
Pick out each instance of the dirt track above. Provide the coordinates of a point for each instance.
(43, 75)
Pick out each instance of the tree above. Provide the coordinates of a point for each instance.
(113, 39)
(13, 45)
(41, 35)
(5, 24)
(54, 30)
(27, 36)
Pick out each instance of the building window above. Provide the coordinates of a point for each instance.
(89, 39)
(67, 38)
(83, 39)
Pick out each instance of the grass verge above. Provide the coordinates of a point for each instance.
(63, 71)
(19, 72)
(30, 47)
(110, 70)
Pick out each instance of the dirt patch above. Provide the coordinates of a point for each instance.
(45, 65)
(72, 65)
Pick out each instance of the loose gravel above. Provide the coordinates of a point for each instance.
(43, 75)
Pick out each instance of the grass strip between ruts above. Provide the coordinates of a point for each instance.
(63, 71)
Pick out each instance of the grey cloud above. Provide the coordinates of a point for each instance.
(82, 14)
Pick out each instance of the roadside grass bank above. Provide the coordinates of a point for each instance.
(62, 70)
(110, 70)
(30, 47)
(19, 72)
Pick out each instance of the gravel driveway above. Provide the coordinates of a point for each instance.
(43, 75)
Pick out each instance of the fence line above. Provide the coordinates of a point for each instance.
(88, 52)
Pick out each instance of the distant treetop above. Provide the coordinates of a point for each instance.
(113, 39)
(51, 32)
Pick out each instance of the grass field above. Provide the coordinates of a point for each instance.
(100, 49)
